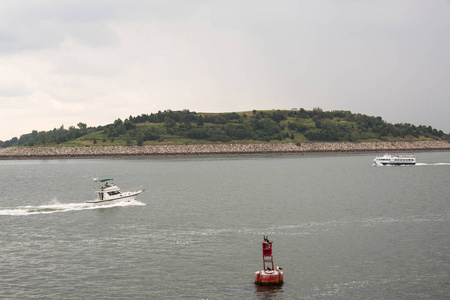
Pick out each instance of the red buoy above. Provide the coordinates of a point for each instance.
(268, 275)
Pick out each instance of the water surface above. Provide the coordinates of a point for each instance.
(342, 228)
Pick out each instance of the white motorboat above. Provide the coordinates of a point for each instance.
(395, 160)
(110, 193)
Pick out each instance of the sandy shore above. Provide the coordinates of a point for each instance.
(218, 149)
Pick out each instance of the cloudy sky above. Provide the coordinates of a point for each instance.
(93, 61)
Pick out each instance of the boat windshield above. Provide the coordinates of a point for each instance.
(113, 193)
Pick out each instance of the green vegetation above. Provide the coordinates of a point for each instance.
(186, 127)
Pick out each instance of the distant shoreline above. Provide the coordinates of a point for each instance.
(17, 153)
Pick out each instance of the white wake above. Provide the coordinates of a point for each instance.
(436, 164)
(56, 207)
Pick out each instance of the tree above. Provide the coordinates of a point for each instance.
(230, 129)
(317, 112)
(220, 120)
(82, 126)
(73, 133)
(278, 116)
(200, 121)
(270, 127)
(62, 138)
(140, 139)
(316, 135)
(197, 133)
(128, 139)
(248, 128)
(118, 122)
(129, 125)
(43, 137)
(169, 122)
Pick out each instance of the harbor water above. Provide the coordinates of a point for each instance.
(342, 229)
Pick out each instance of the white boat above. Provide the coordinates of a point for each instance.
(395, 160)
(110, 193)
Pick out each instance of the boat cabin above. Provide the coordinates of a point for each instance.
(108, 191)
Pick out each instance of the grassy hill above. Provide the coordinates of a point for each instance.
(186, 127)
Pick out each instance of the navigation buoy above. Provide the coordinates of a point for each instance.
(268, 275)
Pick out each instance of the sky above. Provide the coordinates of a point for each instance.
(94, 61)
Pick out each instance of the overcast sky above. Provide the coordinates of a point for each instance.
(93, 61)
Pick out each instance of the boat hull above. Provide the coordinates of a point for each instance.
(126, 197)
(398, 164)
(378, 163)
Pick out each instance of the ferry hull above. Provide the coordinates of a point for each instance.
(398, 164)
(378, 163)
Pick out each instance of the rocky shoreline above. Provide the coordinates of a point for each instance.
(218, 149)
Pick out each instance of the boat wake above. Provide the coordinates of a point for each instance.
(417, 165)
(436, 164)
(60, 207)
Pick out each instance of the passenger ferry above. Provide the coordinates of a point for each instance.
(396, 160)
(110, 193)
